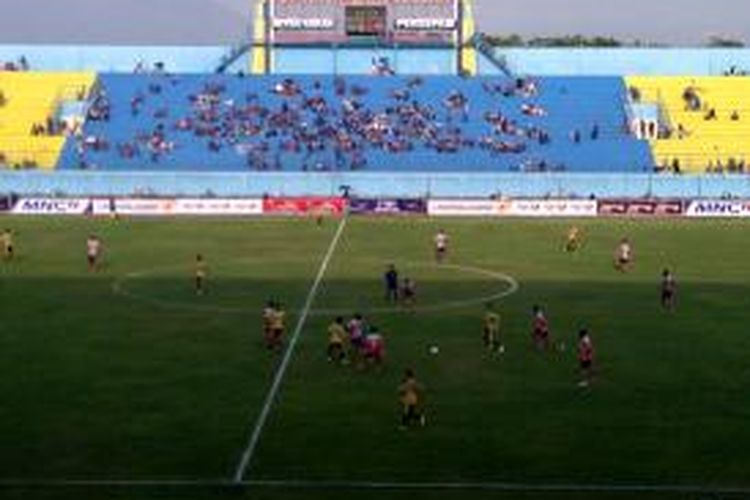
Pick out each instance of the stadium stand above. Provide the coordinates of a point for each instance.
(327, 123)
(32, 133)
(704, 122)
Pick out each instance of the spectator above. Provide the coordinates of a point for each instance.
(595, 132)
(681, 131)
(691, 99)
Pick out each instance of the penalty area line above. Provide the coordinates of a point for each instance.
(260, 423)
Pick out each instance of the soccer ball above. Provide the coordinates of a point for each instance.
(434, 350)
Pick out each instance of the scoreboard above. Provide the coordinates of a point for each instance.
(342, 20)
(366, 20)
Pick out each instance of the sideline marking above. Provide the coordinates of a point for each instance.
(378, 485)
(260, 423)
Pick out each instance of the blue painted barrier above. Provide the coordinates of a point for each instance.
(74, 183)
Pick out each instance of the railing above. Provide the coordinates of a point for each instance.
(374, 184)
(233, 56)
(498, 61)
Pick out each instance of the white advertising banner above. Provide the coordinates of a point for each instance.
(554, 208)
(718, 208)
(51, 206)
(196, 206)
(513, 208)
(299, 23)
(468, 208)
(425, 23)
(219, 207)
(144, 206)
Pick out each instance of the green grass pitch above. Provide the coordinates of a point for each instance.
(126, 375)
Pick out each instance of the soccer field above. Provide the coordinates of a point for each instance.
(124, 378)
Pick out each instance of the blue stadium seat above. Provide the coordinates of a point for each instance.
(568, 104)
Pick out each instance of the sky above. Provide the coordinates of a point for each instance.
(675, 22)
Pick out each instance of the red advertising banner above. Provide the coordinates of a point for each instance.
(309, 205)
(630, 208)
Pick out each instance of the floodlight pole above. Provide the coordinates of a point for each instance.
(459, 10)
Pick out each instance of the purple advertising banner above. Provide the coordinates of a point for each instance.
(366, 206)
(6, 203)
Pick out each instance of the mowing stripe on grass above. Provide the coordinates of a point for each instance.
(260, 423)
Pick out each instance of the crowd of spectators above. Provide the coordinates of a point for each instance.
(734, 70)
(381, 66)
(50, 127)
(329, 133)
(730, 166)
(22, 64)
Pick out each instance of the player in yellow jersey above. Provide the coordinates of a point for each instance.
(411, 395)
(201, 272)
(624, 256)
(7, 242)
(336, 337)
(277, 326)
(491, 331)
(573, 241)
(268, 312)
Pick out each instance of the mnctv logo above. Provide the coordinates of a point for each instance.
(60, 206)
(719, 208)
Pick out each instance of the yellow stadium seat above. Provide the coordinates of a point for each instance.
(31, 98)
(705, 142)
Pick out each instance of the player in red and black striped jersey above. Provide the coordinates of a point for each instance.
(409, 294)
(93, 251)
(585, 357)
(668, 290)
(540, 329)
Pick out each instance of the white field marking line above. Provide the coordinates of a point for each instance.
(260, 423)
(513, 287)
(118, 288)
(498, 486)
(378, 485)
